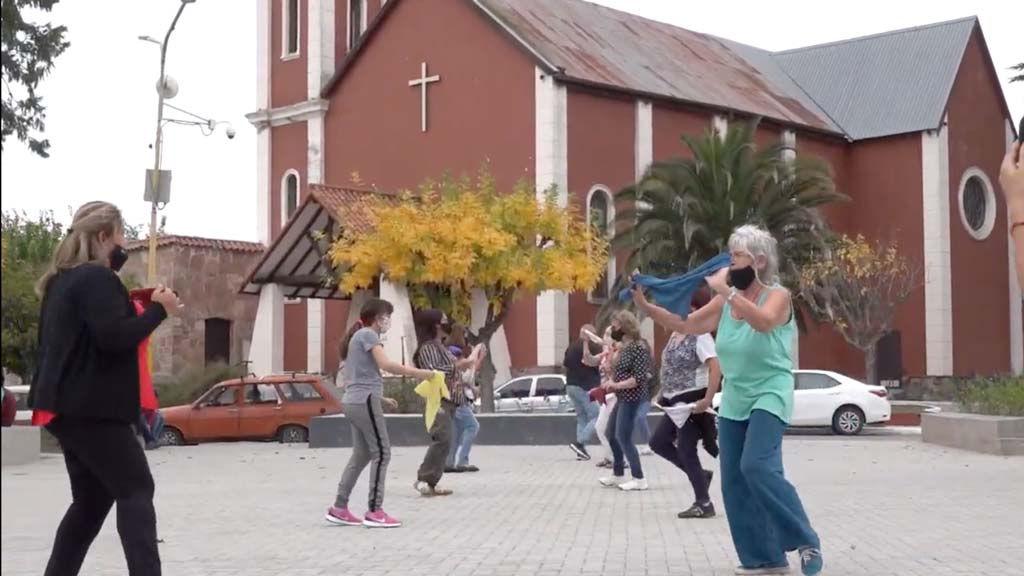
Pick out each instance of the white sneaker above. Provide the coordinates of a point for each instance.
(612, 481)
(634, 484)
(774, 571)
(646, 451)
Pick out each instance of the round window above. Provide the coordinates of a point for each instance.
(977, 204)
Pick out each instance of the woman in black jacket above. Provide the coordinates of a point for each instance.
(86, 390)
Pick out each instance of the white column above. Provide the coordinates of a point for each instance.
(355, 306)
(551, 118)
(400, 341)
(720, 125)
(266, 353)
(938, 288)
(320, 64)
(499, 352)
(643, 155)
(316, 321)
(1016, 323)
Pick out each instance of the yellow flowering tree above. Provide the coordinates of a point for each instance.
(455, 237)
(856, 285)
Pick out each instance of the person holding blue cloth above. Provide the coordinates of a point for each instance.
(753, 315)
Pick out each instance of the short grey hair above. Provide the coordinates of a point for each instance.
(757, 241)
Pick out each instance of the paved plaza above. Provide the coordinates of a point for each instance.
(883, 504)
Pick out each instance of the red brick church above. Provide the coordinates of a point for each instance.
(566, 92)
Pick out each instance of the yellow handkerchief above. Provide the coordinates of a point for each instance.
(433, 390)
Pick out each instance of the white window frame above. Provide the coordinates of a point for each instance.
(285, 24)
(285, 217)
(991, 204)
(348, 22)
(610, 271)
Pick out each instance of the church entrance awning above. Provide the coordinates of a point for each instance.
(297, 259)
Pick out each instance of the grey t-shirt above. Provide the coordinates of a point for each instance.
(361, 374)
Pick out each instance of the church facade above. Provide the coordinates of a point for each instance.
(384, 94)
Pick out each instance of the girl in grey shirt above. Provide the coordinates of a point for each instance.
(363, 402)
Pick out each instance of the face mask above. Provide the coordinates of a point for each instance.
(118, 257)
(742, 278)
(385, 324)
(617, 334)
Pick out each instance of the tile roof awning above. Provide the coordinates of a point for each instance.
(297, 259)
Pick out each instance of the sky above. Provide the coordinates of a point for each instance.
(101, 98)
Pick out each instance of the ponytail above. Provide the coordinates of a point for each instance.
(373, 309)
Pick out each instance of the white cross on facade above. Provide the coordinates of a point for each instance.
(422, 82)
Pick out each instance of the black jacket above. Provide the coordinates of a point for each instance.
(89, 334)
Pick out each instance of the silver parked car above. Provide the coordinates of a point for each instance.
(535, 393)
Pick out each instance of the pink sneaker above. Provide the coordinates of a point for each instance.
(380, 519)
(342, 517)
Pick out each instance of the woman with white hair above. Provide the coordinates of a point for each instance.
(753, 315)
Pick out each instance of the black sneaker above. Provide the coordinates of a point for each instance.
(453, 470)
(698, 511)
(580, 450)
(467, 468)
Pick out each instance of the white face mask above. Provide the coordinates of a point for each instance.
(385, 324)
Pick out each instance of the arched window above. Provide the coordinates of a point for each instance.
(600, 216)
(356, 21)
(289, 195)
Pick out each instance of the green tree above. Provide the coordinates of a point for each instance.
(29, 51)
(27, 248)
(682, 211)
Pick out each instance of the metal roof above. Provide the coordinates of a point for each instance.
(296, 260)
(597, 45)
(886, 84)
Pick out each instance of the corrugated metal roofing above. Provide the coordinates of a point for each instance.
(887, 84)
(599, 45)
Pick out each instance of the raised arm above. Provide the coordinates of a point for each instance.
(703, 320)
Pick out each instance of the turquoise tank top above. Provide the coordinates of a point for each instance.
(757, 367)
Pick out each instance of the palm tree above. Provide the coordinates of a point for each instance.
(682, 211)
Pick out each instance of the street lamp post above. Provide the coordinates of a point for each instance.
(157, 146)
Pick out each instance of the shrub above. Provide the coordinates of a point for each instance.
(999, 396)
(192, 383)
(402, 390)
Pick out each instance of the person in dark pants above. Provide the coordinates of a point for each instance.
(580, 379)
(431, 354)
(630, 382)
(689, 373)
(86, 390)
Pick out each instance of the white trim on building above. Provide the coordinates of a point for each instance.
(285, 192)
(284, 115)
(1016, 319)
(551, 147)
(609, 230)
(286, 20)
(990, 203)
(320, 65)
(938, 288)
(643, 156)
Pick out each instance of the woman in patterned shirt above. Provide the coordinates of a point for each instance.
(432, 354)
(689, 370)
(630, 382)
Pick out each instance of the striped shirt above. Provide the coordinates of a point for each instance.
(434, 356)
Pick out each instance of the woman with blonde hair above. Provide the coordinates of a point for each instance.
(86, 390)
(753, 315)
(630, 380)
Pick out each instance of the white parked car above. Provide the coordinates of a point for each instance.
(823, 398)
(534, 393)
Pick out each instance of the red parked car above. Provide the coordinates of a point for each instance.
(273, 407)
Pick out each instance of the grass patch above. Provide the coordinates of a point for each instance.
(1000, 396)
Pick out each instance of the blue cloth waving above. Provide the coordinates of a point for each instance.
(675, 293)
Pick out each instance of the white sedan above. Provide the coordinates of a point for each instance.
(822, 398)
(533, 393)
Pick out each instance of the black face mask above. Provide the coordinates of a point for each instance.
(617, 334)
(742, 278)
(118, 257)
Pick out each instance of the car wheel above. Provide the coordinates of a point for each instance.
(848, 421)
(293, 435)
(171, 437)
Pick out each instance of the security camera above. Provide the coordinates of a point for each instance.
(230, 131)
